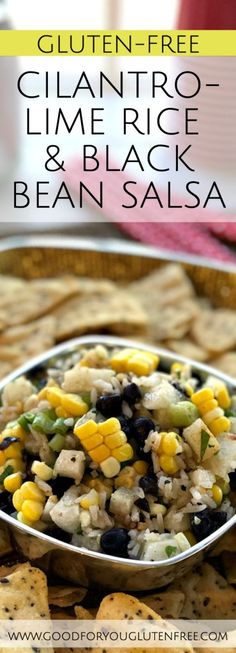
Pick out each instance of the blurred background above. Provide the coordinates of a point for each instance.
(23, 157)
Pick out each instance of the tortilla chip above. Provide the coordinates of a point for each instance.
(207, 594)
(114, 311)
(63, 596)
(226, 543)
(226, 363)
(82, 613)
(229, 564)
(24, 594)
(5, 542)
(166, 285)
(123, 606)
(172, 321)
(186, 347)
(36, 329)
(35, 299)
(168, 604)
(215, 328)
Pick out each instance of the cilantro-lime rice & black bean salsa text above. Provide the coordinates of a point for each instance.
(104, 450)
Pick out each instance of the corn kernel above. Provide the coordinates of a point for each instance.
(190, 537)
(16, 463)
(54, 395)
(18, 432)
(91, 499)
(140, 467)
(188, 388)
(169, 444)
(126, 478)
(17, 500)
(42, 394)
(223, 397)
(93, 442)
(100, 453)
(177, 368)
(217, 494)
(29, 490)
(74, 405)
(158, 509)
(119, 360)
(201, 396)
(32, 510)
(123, 453)
(100, 486)
(13, 451)
(21, 518)
(43, 471)
(110, 426)
(220, 425)
(61, 412)
(84, 431)
(13, 482)
(2, 458)
(110, 467)
(115, 440)
(142, 363)
(168, 464)
(208, 406)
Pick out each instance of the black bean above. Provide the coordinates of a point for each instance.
(141, 427)
(125, 425)
(7, 442)
(115, 542)
(6, 502)
(59, 485)
(109, 405)
(148, 484)
(232, 480)
(142, 504)
(59, 534)
(207, 521)
(131, 394)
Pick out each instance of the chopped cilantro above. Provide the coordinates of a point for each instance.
(170, 550)
(8, 470)
(205, 437)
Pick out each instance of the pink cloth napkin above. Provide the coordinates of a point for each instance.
(153, 225)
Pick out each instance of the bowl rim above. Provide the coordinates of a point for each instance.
(112, 341)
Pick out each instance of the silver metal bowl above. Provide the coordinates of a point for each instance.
(87, 567)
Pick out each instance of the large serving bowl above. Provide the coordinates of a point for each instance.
(87, 567)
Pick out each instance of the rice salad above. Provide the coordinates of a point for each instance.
(105, 449)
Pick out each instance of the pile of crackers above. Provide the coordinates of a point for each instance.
(203, 593)
(161, 309)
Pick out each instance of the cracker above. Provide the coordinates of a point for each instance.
(215, 329)
(113, 311)
(168, 604)
(226, 363)
(63, 596)
(189, 349)
(5, 368)
(24, 594)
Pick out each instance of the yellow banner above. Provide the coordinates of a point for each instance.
(119, 43)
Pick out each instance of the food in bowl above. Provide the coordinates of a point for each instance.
(109, 450)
